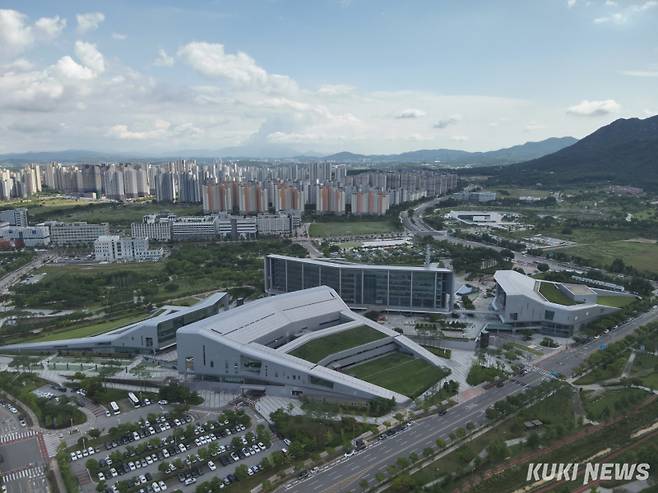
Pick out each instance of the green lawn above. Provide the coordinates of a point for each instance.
(615, 301)
(642, 256)
(353, 228)
(91, 330)
(552, 293)
(611, 402)
(318, 349)
(399, 372)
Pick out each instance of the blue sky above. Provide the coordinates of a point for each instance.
(369, 76)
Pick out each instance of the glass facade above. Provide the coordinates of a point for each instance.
(167, 329)
(378, 286)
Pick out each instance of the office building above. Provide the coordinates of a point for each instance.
(113, 248)
(147, 336)
(253, 347)
(553, 308)
(76, 234)
(381, 287)
(155, 227)
(29, 236)
(14, 217)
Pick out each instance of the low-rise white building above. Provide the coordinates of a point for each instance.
(15, 217)
(31, 236)
(113, 248)
(154, 227)
(74, 234)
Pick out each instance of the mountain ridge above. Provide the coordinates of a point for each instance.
(455, 157)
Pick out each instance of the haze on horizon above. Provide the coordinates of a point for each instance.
(365, 76)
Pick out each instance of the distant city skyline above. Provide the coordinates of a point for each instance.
(334, 75)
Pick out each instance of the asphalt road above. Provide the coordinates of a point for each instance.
(345, 474)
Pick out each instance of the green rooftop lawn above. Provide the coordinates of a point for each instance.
(399, 372)
(93, 329)
(553, 294)
(318, 349)
(615, 301)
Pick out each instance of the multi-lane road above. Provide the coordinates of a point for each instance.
(345, 474)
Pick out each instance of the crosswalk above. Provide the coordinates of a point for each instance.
(17, 436)
(29, 473)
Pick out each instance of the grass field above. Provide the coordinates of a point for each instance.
(616, 301)
(354, 228)
(640, 255)
(93, 329)
(554, 295)
(70, 210)
(611, 402)
(399, 372)
(316, 350)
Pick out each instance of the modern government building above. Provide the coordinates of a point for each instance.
(555, 308)
(428, 289)
(295, 344)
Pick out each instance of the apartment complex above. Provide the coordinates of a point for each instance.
(14, 217)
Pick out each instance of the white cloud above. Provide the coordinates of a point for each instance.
(121, 131)
(410, 113)
(50, 27)
(119, 36)
(446, 122)
(210, 60)
(594, 108)
(68, 68)
(571, 3)
(335, 90)
(89, 21)
(90, 56)
(15, 33)
(163, 60)
(626, 13)
(640, 73)
(18, 65)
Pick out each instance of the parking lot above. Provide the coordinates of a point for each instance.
(137, 456)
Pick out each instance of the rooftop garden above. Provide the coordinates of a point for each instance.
(553, 294)
(319, 349)
(400, 373)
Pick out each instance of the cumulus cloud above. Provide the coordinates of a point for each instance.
(410, 113)
(15, 32)
(210, 60)
(68, 68)
(594, 108)
(50, 27)
(163, 60)
(90, 56)
(89, 21)
(446, 122)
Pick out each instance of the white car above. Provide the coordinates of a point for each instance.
(101, 476)
(156, 487)
(163, 485)
(162, 402)
(211, 465)
(114, 472)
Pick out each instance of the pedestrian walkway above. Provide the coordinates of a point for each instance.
(215, 400)
(17, 436)
(268, 404)
(28, 472)
(51, 442)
